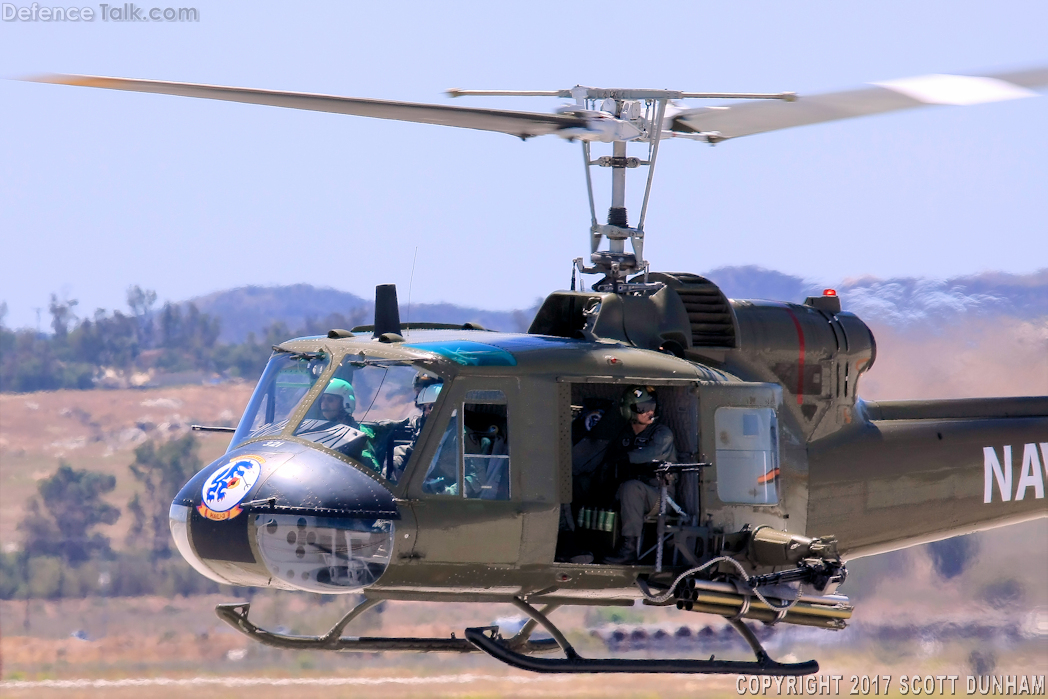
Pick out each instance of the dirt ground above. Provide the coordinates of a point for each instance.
(453, 677)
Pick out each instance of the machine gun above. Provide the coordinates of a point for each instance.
(817, 572)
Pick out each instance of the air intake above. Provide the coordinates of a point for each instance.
(710, 315)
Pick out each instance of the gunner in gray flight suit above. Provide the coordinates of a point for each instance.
(645, 443)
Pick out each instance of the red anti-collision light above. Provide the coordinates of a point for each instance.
(829, 292)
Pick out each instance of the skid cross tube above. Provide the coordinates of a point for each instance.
(491, 644)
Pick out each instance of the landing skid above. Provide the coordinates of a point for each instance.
(236, 616)
(575, 663)
(515, 651)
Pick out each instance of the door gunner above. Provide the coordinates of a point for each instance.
(644, 442)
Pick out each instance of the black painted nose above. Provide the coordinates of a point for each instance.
(282, 514)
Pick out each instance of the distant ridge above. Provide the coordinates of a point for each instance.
(901, 302)
(251, 309)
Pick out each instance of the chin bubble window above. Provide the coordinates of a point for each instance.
(747, 455)
(324, 554)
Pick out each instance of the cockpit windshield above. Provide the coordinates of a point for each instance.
(287, 378)
(373, 413)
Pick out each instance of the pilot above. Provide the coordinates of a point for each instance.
(645, 442)
(337, 403)
(427, 388)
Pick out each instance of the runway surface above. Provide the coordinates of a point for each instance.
(274, 681)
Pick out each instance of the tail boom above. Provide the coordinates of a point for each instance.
(918, 471)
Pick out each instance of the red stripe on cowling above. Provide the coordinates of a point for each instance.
(800, 354)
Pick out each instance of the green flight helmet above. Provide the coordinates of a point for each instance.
(344, 390)
(637, 399)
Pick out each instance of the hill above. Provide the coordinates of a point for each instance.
(251, 309)
(902, 302)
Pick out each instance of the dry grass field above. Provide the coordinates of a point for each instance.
(99, 430)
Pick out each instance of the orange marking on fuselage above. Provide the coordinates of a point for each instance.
(768, 477)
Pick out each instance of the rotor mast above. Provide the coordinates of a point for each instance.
(619, 116)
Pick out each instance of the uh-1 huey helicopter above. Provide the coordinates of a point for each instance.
(450, 463)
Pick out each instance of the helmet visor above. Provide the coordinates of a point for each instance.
(645, 407)
(428, 394)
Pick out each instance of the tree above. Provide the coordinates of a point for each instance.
(109, 340)
(188, 339)
(62, 315)
(141, 302)
(72, 507)
(162, 469)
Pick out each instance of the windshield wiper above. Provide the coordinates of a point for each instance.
(299, 355)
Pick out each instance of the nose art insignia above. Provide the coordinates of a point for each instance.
(223, 492)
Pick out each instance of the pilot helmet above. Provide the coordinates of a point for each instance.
(428, 395)
(638, 399)
(344, 390)
(427, 387)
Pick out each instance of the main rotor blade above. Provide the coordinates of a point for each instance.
(747, 118)
(521, 124)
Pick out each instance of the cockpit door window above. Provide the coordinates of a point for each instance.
(472, 459)
(485, 446)
(442, 476)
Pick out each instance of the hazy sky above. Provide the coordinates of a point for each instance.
(103, 189)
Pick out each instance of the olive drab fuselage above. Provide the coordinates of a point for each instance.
(764, 393)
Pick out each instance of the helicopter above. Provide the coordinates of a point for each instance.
(439, 462)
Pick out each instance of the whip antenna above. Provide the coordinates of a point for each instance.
(411, 280)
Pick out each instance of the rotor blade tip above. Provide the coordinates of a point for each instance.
(62, 79)
(40, 78)
(453, 92)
